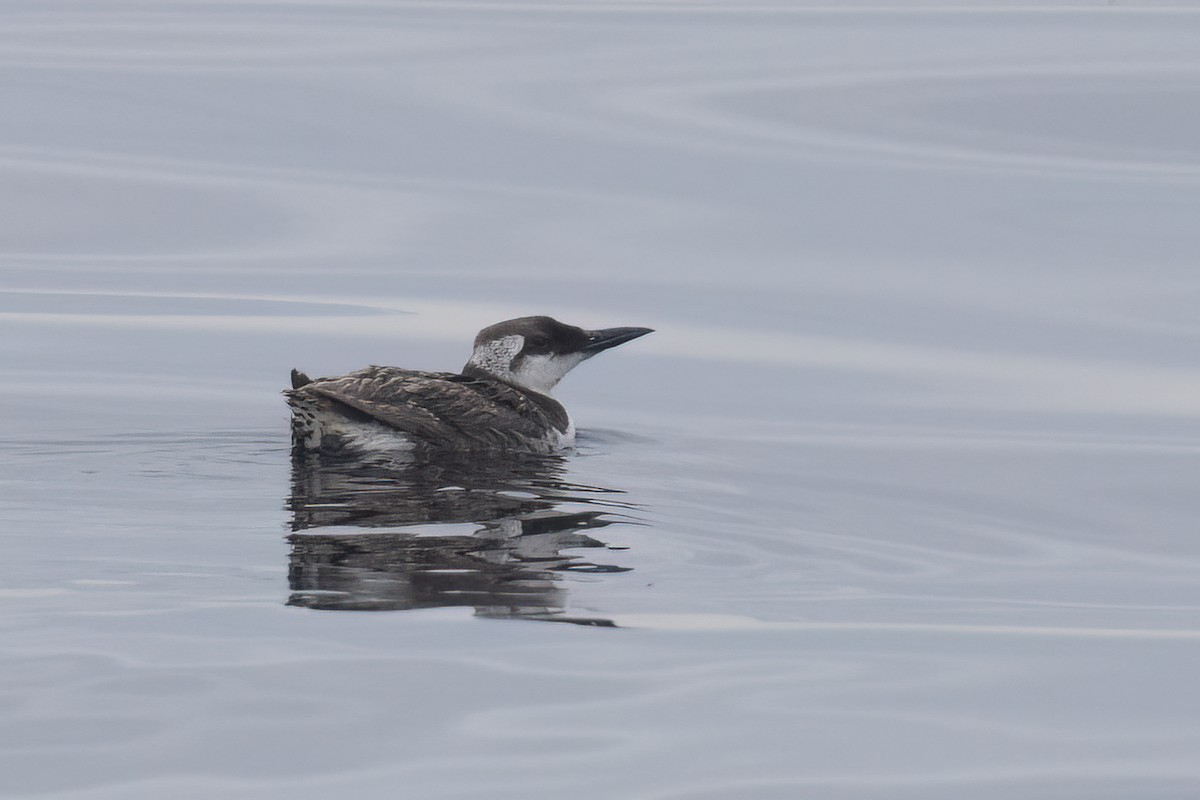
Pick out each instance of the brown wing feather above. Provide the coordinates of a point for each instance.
(444, 408)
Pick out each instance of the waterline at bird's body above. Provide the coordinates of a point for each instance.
(501, 399)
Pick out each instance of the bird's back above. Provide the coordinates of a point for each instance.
(442, 409)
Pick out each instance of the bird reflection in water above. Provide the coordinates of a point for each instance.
(505, 556)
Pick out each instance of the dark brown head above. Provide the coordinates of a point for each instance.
(536, 352)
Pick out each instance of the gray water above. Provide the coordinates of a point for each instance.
(899, 501)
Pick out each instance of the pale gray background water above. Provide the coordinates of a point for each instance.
(913, 456)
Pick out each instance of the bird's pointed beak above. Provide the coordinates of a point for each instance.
(610, 337)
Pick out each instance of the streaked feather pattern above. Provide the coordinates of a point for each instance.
(437, 408)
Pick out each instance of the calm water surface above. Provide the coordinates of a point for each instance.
(899, 502)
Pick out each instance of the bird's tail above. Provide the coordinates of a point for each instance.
(299, 379)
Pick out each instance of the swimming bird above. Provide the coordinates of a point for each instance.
(500, 401)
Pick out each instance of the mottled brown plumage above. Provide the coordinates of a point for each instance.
(439, 408)
(500, 400)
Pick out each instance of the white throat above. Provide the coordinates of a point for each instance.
(538, 373)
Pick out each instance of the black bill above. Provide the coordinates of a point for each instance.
(610, 337)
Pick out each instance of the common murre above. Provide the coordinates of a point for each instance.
(500, 400)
